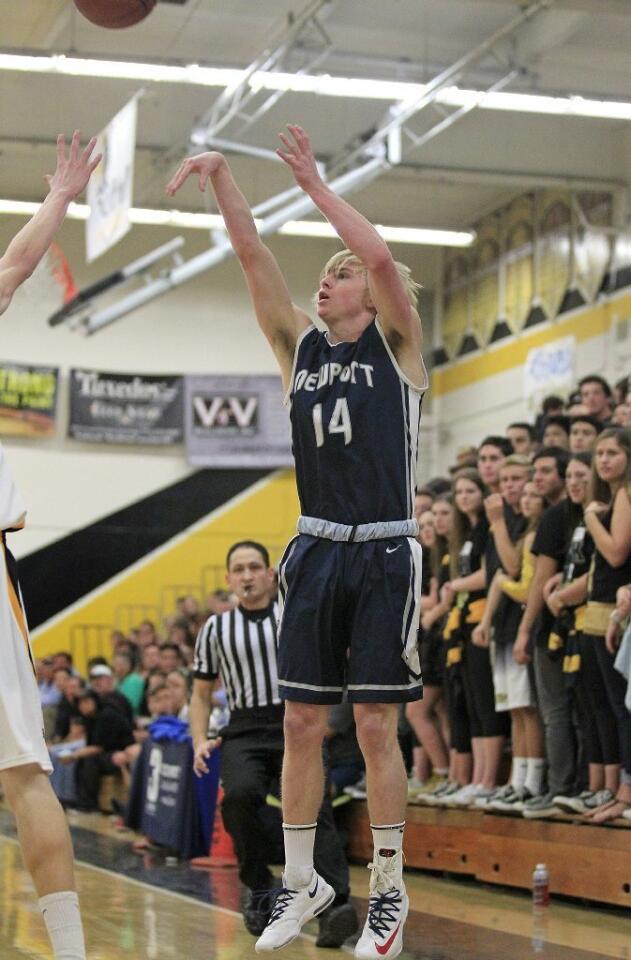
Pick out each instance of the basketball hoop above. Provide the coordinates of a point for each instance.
(50, 286)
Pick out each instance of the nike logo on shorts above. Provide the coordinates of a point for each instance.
(392, 549)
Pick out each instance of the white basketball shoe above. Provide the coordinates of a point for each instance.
(292, 909)
(382, 937)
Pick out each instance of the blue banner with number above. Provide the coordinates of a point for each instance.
(164, 801)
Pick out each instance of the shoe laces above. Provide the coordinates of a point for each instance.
(264, 899)
(383, 907)
(282, 900)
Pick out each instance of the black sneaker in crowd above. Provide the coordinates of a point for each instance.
(256, 907)
(511, 800)
(336, 925)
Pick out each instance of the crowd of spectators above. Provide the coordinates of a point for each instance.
(98, 722)
(525, 637)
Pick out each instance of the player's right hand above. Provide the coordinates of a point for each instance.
(202, 754)
(203, 166)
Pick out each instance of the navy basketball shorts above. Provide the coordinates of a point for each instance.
(349, 621)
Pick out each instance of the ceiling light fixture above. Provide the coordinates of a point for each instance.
(184, 219)
(320, 84)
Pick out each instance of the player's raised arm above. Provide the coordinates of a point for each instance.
(29, 245)
(280, 320)
(397, 316)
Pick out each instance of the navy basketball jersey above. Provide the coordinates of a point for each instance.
(355, 426)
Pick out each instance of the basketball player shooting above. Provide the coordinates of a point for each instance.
(350, 580)
(24, 761)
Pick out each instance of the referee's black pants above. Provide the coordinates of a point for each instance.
(251, 760)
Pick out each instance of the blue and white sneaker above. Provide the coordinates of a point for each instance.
(382, 936)
(292, 909)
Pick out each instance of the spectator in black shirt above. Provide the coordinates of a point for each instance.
(549, 548)
(102, 682)
(67, 707)
(565, 596)
(608, 519)
(107, 731)
(468, 589)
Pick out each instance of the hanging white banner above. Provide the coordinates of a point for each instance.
(548, 369)
(109, 193)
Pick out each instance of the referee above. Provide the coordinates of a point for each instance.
(238, 648)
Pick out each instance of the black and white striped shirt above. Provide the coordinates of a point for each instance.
(240, 646)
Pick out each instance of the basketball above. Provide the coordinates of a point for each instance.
(115, 13)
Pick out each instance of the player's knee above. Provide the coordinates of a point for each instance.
(375, 729)
(304, 724)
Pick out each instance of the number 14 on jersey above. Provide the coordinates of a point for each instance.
(340, 422)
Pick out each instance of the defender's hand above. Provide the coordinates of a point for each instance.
(73, 171)
(202, 166)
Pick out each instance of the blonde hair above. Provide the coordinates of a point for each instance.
(519, 460)
(345, 258)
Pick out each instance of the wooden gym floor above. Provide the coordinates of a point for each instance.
(140, 907)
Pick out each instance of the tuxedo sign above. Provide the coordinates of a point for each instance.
(236, 421)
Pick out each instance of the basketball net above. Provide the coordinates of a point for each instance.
(50, 286)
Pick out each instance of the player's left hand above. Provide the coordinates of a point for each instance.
(73, 171)
(299, 156)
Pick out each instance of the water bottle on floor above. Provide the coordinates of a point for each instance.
(540, 886)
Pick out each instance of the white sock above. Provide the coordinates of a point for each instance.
(63, 922)
(534, 777)
(440, 772)
(519, 772)
(299, 840)
(389, 837)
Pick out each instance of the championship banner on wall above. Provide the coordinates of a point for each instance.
(109, 193)
(28, 400)
(236, 421)
(125, 408)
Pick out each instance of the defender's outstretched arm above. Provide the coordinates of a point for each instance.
(31, 243)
